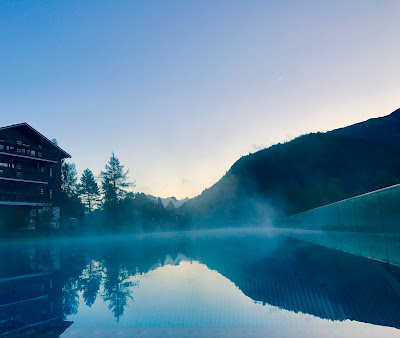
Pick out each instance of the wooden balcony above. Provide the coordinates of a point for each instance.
(12, 148)
(23, 197)
(32, 175)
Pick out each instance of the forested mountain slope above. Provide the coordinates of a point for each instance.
(307, 172)
(384, 129)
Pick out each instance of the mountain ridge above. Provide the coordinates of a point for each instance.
(383, 129)
(166, 201)
(306, 172)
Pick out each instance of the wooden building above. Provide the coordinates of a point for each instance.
(30, 172)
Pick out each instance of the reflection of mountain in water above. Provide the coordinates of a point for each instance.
(280, 272)
(318, 281)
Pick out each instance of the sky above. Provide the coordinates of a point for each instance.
(180, 90)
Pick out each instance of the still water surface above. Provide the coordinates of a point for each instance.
(216, 283)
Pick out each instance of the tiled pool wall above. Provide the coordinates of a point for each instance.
(367, 225)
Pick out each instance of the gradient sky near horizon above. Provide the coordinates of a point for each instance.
(180, 90)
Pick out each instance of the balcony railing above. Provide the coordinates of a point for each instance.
(33, 175)
(23, 197)
(12, 148)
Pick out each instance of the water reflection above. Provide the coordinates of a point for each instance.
(199, 280)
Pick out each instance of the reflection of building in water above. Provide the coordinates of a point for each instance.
(31, 294)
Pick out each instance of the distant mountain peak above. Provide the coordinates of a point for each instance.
(165, 201)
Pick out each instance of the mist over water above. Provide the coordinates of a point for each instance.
(243, 282)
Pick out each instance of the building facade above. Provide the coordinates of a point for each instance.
(30, 172)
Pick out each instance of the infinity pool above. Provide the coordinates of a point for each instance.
(240, 283)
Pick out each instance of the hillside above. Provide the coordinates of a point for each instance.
(307, 172)
(382, 129)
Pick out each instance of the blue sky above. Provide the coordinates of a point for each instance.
(180, 90)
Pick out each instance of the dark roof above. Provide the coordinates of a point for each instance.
(26, 125)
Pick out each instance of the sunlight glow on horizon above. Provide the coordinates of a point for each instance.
(180, 91)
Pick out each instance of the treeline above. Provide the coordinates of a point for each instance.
(310, 171)
(105, 204)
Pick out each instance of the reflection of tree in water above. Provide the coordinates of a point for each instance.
(90, 281)
(70, 297)
(106, 274)
(103, 276)
(117, 290)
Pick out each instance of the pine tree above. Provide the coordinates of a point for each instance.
(69, 179)
(114, 180)
(69, 201)
(89, 190)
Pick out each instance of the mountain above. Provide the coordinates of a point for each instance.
(310, 171)
(381, 129)
(166, 201)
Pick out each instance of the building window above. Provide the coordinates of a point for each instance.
(51, 172)
(19, 174)
(2, 164)
(40, 154)
(32, 152)
(19, 142)
(41, 191)
(23, 150)
(19, 166)
(19, 150)
(51, 194)
(1, 146)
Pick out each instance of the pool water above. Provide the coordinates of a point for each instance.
(233, 283)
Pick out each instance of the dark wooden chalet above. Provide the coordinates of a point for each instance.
(30, 168)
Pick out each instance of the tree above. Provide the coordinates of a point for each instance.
(88, 189)
(69, 179)
(70, 203)
(114, 180)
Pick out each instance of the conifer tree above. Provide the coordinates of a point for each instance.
(114, 180)
(69, 201)
(89, 190)
(69, 179)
